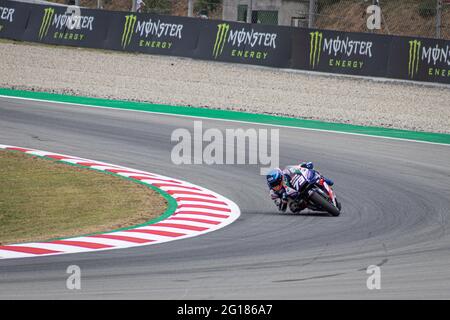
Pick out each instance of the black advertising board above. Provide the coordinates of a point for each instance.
(154, 34)
(419, 59)
(67, 26)
(365, 54)
(341, 52)
(245, 43)
(13, 19)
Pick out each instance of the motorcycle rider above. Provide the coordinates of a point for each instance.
(280, 184)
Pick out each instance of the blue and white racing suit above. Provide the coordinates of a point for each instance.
(288, 189)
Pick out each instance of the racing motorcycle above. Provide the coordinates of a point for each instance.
(314, 193)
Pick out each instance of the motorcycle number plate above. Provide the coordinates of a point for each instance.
(300, 181)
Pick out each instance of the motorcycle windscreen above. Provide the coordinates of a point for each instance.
(311, 176)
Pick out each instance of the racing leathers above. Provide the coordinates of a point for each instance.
(288, 190)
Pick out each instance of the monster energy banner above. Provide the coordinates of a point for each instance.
(245, 43)
(13, 19)
(67, 26)
(151, 33)
(341, 52)
(418, 59)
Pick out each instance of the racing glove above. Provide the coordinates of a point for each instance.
(283, 203)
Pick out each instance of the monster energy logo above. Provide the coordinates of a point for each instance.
(315, 48)
(414, 54)
(221, 37)
(46, 21)
(128, 29)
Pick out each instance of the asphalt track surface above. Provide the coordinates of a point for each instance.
(395, 197)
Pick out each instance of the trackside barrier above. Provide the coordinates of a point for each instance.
(407, 58)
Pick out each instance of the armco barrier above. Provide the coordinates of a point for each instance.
(365, 54)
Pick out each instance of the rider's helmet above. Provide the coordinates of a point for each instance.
(275, 179)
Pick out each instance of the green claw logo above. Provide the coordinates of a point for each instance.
(221, 38)
(46, 21)
(414, 55)
(128, 29)
(315, 48)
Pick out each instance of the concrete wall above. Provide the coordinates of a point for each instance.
(286, 9)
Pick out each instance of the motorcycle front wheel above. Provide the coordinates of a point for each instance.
(324, 204)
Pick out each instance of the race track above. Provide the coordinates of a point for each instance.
(396, 209)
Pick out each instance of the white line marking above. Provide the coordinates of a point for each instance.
(228, 120)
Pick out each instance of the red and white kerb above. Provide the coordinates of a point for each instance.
(198, 211)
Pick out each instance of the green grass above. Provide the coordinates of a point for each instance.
(42, 199)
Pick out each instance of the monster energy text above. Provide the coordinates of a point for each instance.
(243, 37)
(438, 57)
(149, 28)
(6, 14)
(338, 47)
(66, 26)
